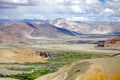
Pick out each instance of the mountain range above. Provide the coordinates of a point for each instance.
(87, 27)
(21, 31)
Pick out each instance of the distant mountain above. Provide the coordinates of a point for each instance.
(4, 20)
(32, 20)
(21, 31)
(14, 32)
(64, 23)
(86, 27)
(35, 29)
(48, 30)
(19, 20)
(112, 28)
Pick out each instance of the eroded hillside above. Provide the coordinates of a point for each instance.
(93, 69)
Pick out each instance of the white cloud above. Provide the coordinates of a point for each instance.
(91, 1)
(79, 9)
(109, 11)
(53, 2)
(116, 0)
(19, 1)
(75, 1)
(4, 17)
(76, 8)
(60, 1)
(78, 18)
(35, 16)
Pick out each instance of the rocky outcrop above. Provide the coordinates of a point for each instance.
(1, 75)
(100, 44)
(22, 55)
(112, 43)
(42, 54)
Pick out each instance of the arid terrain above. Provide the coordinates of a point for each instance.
(93, 69)
(59, 39)
(80, 54)
(59, 50)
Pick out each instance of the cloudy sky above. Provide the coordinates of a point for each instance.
(83, 10)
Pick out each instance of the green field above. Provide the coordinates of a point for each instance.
(57, 61)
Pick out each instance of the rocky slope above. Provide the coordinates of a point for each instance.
(22, 55)
(110, 43)
(93, 69)
(87, 27)
(21, 31)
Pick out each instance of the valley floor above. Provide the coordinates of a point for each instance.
(19, 61)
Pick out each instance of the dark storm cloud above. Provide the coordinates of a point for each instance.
(5, 6)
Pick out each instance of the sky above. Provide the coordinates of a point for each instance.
(76, 10)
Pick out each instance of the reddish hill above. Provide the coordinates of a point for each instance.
(14, 32)
(21, 31)
(112, 43)
(22, 55)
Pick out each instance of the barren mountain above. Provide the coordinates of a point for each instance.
(86, 27)
(14, 32)
(21, 31)
(64, 23)
(48, 30)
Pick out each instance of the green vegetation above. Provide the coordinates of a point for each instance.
(20, 69)
(31, 76)
(56, 62)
